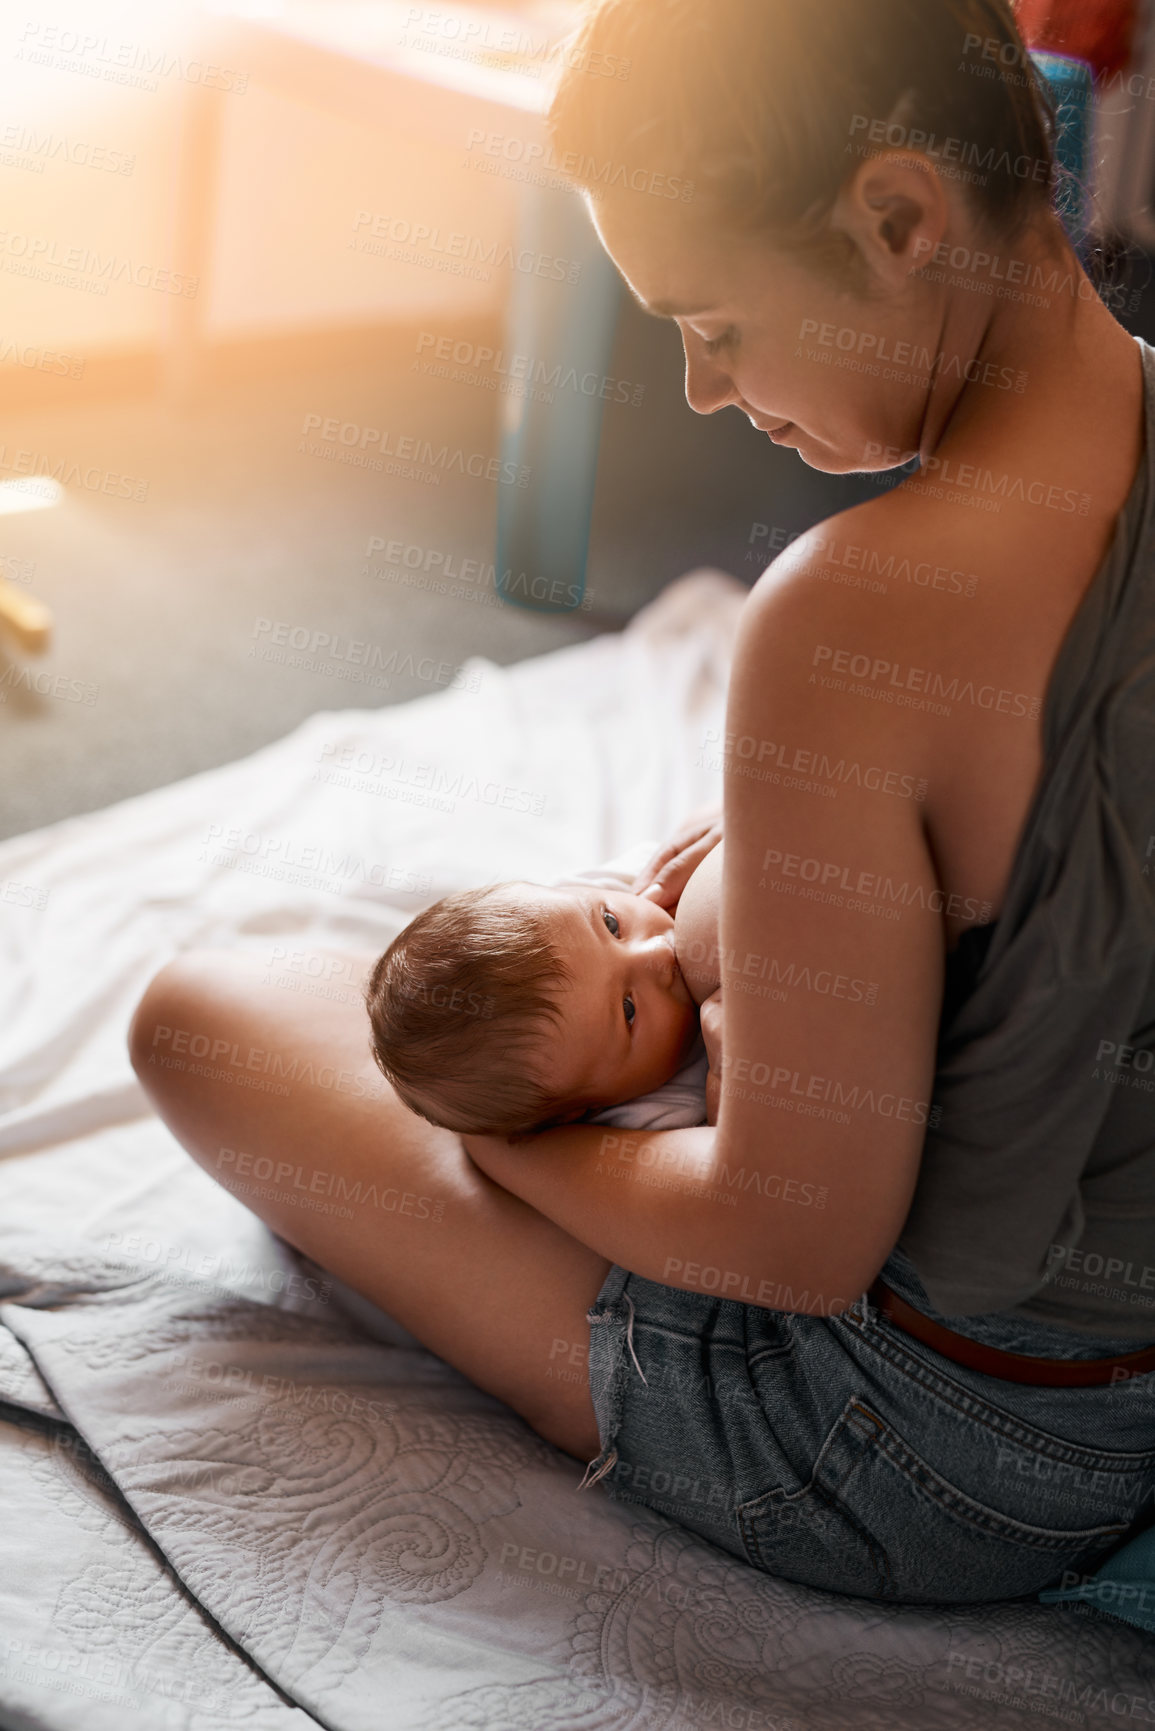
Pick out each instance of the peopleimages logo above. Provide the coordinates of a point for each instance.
(388, 234)
(910, 363)
(952, 154)
(469, 35)
(117, 61)
(517, 375)
(34, 254)
(24, 147)
(441, 572)
(349, 440)
(605, 174)
(1013, 272)
(1000, 700)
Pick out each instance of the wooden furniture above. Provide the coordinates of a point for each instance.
(24, 618)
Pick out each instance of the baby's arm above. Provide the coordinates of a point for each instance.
(665, 875)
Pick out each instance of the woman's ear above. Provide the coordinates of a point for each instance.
(896, 210)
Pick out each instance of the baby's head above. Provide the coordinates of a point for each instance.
(505, 1010)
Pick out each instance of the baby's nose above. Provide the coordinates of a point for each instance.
(657, 954)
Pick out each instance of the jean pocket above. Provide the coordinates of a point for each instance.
(877, 1521)
(812, 1535)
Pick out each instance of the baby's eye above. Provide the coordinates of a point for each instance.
(612, 922)
(631, 1011)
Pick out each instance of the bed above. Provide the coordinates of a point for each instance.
(235, 1496)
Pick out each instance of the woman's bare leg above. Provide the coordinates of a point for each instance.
(476, 1274)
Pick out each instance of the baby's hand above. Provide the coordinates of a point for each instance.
(666, 875)
(711, 1015)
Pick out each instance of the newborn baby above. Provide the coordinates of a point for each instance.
(512, 1009)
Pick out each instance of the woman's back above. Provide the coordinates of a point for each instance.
(1042, 1154)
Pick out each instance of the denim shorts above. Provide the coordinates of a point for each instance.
(843, 1454)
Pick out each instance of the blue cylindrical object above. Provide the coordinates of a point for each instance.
(1072, 88)
(552, 415)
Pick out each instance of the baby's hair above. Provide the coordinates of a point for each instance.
(459, 1004)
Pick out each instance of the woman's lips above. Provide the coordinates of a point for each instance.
(775, 431)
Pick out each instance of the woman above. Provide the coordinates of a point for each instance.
(939, 788)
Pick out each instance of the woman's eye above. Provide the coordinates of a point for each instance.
(631, 1011)
(713, 344)
(612, 922)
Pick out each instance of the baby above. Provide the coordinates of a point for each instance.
(517, 1008)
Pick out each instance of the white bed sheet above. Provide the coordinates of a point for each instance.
(226, 1504)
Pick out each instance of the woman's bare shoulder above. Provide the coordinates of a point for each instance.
(866, 587)
(895, 549)
(926, 591)
(922, 638)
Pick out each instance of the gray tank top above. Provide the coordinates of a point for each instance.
(1036, 1193)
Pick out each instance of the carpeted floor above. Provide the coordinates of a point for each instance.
(169, 607)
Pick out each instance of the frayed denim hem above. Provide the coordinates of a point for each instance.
(611, 1320)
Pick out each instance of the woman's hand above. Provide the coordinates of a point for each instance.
(666, 875)
(710, 1013)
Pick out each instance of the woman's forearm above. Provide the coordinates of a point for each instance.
(657, 1203)
(636, 1197)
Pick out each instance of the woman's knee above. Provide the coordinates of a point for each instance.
(151, 1029)
(173, 1019)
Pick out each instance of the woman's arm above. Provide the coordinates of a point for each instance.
(832, 932)
(639, 1198)
(577, 1174)
(831, 987)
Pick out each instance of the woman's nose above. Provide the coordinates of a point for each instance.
(709, 387)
